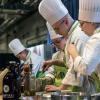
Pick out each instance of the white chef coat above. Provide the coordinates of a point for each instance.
(90, 60)
(37, 61)
(77, 37)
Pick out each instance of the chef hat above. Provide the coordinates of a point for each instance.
(16, 46)
(52, 10)
(89, 10)
(53, 34)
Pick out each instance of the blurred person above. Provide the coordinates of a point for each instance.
(57, 61)
(29, 57)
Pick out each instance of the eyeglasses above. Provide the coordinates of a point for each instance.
(58, 26)
(81, 23)
(57, 41)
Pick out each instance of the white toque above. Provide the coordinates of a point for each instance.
(52, 10)
(89, 10)
(53, 34)
(16, 46)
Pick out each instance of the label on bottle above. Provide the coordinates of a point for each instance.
(6, 88)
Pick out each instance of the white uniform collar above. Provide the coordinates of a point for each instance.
(75, 24)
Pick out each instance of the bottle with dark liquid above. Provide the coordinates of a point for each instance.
(26, 80)
(29, 81)
(11, 84)
(8, 87)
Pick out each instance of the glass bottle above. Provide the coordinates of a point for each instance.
(26, 80)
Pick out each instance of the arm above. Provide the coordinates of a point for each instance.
(88, 62)
(49, 63)
(69, 80)
(58, 62)
(72, 79)
(49, 88)
(57, 59)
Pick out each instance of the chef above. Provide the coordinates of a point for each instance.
(57, 15)
(57, 58)
(29, 57)
(89, 61)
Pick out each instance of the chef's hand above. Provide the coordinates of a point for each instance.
(49, 88)
(46, 65)
(72, 51)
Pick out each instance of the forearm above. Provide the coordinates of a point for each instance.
(80, 66)
(58, 62)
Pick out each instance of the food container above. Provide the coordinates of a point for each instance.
(45, 95)
(95, 96)
(63, 97)
(38, 95)
(27, 98)
(66, 95)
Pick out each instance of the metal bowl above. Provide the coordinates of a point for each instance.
(70, 96)
(63, 97)
(95, 96)
(38, 95)
(27, 98)
(45, 95)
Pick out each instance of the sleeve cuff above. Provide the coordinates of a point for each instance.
(70, 79)
(76, 63)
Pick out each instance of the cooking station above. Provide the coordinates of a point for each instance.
(62, 95)
(14, 89)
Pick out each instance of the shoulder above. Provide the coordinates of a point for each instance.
(96, 36)
(55, 54)
(58, 55)
(94, 42)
